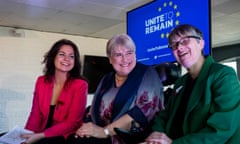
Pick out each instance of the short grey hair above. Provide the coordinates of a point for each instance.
(119, 40)
(184, 30)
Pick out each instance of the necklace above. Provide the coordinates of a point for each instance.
(119, 80)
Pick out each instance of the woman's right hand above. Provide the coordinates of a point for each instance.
(31, 138)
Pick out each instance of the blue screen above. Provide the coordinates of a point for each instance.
(150, 25)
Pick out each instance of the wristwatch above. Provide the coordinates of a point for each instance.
(107, 132)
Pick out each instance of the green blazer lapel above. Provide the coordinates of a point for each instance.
(199, 88)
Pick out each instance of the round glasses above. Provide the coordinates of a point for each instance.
(183, 41)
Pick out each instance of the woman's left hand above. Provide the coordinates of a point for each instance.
(90, 130)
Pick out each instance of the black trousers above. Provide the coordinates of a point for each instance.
(72, 140)
(52, 140)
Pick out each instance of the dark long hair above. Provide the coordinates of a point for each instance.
(49, 68)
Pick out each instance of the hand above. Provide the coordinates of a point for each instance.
(158, 138)
(31, 138)
(90, 130)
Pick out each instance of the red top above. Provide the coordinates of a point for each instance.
(69, 109)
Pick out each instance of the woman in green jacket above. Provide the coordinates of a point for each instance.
(205, 105)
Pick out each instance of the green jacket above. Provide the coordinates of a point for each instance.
(213, 110)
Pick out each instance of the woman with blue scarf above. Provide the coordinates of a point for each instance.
(133, 93)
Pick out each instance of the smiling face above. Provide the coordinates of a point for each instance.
(64, 60)
(187, 45)
(189, 51)
(121, 53)
(123, 60)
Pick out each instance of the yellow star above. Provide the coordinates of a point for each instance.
(177, 22)
(175, 6)
(159, 9)
(167, 34)
(177, 14)
(162, 35)
(165, 4)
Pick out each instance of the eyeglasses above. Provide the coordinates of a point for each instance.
(120, 55)
(183, 41)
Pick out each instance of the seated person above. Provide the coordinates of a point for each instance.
(59, 98)
(205, 105)
(132, 94)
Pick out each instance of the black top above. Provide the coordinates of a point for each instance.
(177, 126)
(50, 116)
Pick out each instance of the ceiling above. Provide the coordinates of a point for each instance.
(104, 18)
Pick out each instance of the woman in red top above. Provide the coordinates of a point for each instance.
(59, 98)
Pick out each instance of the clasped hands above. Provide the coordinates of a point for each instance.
(90, 130)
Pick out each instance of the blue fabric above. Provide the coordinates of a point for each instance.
(125, 95)
(137, 115)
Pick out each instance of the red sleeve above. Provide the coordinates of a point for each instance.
(34, 122)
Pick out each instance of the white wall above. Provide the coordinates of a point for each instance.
(232, 64)
(20, 61)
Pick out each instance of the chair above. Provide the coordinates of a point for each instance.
(169, 73)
